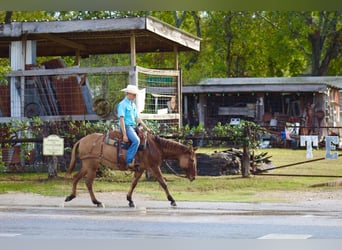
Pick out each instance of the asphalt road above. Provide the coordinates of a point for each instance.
(157, 220)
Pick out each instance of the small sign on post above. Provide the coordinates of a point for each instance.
(53, 145)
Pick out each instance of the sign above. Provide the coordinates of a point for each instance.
(53, 145)
(312, 140)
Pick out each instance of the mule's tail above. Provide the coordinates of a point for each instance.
(73, 158)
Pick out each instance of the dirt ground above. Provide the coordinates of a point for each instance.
(119, 198)
(298, 196)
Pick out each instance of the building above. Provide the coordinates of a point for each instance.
(53, 91)
(311, 102)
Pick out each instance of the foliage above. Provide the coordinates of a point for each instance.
(234, 43)
(34, 127)
(72, 131)
(4, 69)
(3, 168)
(245, 133)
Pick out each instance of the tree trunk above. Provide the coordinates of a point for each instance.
(316, 45)
(325, 42)
(8, 17)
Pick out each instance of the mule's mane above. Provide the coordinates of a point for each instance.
(167, 145)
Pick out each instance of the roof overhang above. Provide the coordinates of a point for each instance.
(269, 84)
(100, 36)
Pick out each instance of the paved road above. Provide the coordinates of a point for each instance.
(156, 220)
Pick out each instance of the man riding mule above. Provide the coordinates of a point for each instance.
(98, 149)
(94, 152)
(128, 120)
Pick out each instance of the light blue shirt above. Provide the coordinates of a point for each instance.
(128, 110)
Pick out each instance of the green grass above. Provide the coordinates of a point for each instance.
(204, 188)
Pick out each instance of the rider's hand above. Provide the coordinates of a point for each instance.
(125, 138)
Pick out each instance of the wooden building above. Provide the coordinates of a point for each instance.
(311, 102)
(55, 92)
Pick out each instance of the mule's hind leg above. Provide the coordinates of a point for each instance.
(89, 183)
(76, 179)
(137, 175)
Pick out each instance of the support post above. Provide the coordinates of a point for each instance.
(133, 76)
(246, 154)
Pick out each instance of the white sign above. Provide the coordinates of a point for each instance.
(53, 145)
(312, 140)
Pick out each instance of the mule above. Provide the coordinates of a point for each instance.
(94, 152)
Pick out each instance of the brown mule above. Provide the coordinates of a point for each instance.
(93, 152)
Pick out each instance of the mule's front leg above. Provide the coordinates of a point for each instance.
(89, 183)
(137, 176)
(169, 196)
(160, 178)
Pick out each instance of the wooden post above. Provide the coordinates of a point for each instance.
(78, 57)
(246, 155)
(175, 56)
(52, 166)
(133, 75)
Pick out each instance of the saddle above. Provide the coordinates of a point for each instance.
(114, 138)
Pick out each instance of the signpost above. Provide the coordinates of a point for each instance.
(53, 145)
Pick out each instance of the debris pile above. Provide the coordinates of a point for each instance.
(226, 162)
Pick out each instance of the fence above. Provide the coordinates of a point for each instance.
(55, 92)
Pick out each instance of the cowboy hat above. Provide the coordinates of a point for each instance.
(133, 89)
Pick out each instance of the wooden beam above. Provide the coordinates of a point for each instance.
(69, 71)
(77, 58)
(133, 49)
(175, 54)
(63, 41)
(173, 34)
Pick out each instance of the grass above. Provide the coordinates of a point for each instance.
(204, 188)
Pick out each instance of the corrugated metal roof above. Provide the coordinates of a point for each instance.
(265, 84)
(272, 80)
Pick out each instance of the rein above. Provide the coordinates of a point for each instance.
(173, 171)
(158, 139)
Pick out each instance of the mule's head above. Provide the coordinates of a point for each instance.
(188, 162)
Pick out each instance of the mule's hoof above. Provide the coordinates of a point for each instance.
(100, 205)
(97, 203)
(70, 197)
(131, 204)
(173, 204)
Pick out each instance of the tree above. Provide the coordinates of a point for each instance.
(325, 39)
(236, 43)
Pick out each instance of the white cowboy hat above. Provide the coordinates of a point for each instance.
(131, 89)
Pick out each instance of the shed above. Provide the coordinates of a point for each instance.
(265, 100)
(22, 42)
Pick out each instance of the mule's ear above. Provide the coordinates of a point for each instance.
(195, 148)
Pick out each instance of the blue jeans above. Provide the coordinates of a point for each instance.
(135, 141)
